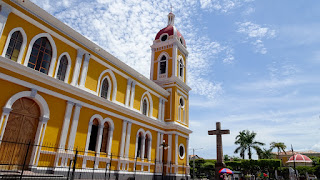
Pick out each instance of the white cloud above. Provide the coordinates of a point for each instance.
(222, 5)
(127, 28)
(256, 34)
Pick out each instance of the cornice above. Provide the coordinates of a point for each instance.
(171, 80)
(76, 91)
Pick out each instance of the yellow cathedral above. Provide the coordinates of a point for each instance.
(63, 96)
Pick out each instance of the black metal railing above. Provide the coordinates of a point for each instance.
(23, 160)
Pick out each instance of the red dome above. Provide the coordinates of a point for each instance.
(170, 31)
(300, 158)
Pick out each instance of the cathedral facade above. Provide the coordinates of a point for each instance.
(60, 89)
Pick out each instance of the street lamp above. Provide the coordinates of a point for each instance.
(163, 146)
(193, 163)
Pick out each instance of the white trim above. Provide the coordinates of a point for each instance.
(164, 35)
(177, 149)
(77, 66)
(184, 151)
(174, 60)
(109, 87)
(152, 64)
(123, 139)
(66, 78)
(126, 154)
(24, 71)
(54, 51)
(23, 45)
(113, 84)
(148, 97)
(169, 148)
(44, 108)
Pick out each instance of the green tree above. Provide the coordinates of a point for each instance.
(246, 141)
(279, 145)
(265, 153)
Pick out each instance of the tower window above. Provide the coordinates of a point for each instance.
(104, 88)
(14, 46)
(181, 151)
(139, 145)
(40, 56)
(181, 102)
(145, 107)
(164, 37)
(181, 40)
(181, 68)
(146, 146)
(163, 65)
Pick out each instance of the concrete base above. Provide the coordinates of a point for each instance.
(218, 166)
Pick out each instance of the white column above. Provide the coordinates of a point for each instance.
(158, 147)
(169, 148)
(109, 144)
(4, 13)
(98, 145)
(174, 59)
(76, 70)
(123, 137)
(65, 126)
(38, 140)
(152, 64)
(163, 108)
(74, 127)
(161, 149)
(176, 149)
(187, 151)
(149, 149)
(160, 109)
(84, 70)
(129, 81)
(128, 140)
(133, 87)
(143, 140)
(4, 120)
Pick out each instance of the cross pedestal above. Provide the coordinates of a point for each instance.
(218, 132)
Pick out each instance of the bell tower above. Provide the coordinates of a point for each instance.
(169, 70)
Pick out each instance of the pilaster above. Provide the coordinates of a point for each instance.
(133, 87)
(123, 137)
(84, 70)
(65, 126)
(74, 126)
(128, 140)
(129, 81)
(76, 70)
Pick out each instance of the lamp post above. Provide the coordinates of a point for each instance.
(163, 146)
(193, 163)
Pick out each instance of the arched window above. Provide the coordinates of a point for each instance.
(105, 137)
(14, 46)
(104, 89)
(180, 68)
(40, 56)
(145, 107)
(146, 146)
(94, 135)
(61, 75)
(181, 115)
(163, 65)
(139, 145)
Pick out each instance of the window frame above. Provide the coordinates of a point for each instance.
(109, 87)
(54, 51)
(23, 45)
(66, 78)
(184, 151)
(164, 75)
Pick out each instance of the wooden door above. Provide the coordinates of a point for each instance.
(20, 130)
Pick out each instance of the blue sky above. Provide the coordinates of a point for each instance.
(253, 64)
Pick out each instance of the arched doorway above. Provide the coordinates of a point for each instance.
(20, 130)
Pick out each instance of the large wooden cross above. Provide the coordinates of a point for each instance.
(218, 132)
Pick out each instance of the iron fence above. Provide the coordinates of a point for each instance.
(23, 160)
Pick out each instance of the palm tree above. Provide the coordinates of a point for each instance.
(246, 141)
(279, 145)
(265, 154)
